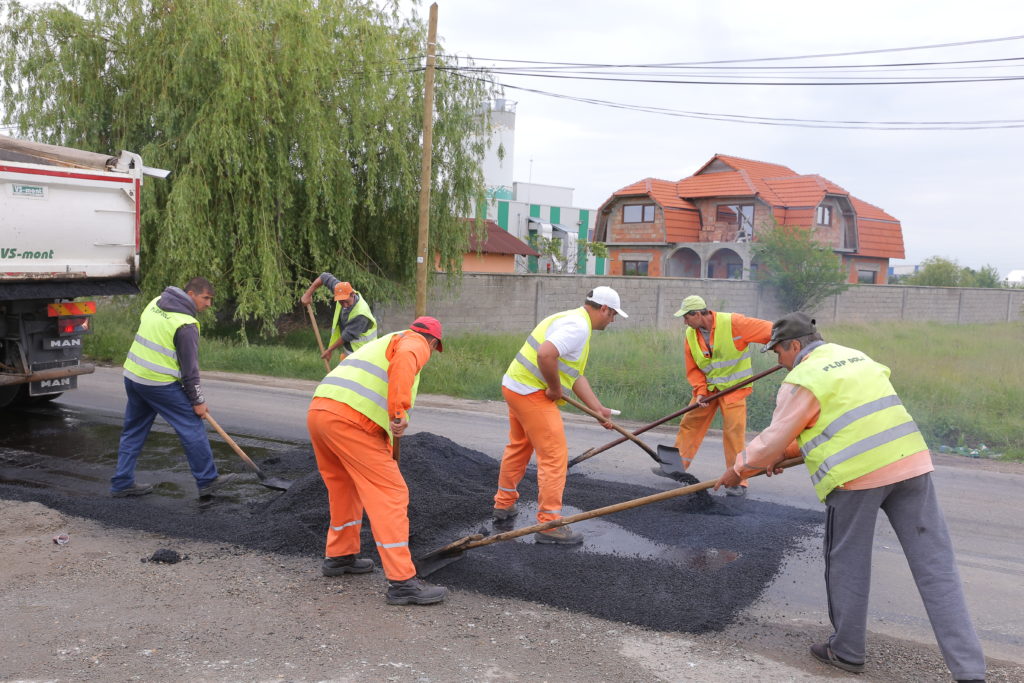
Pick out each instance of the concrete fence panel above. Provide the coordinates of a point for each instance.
(483, 302)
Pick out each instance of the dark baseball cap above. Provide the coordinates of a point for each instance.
(790, 326)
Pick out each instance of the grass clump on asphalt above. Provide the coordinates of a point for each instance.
(939, 371)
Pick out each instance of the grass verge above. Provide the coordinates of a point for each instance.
(962, 383)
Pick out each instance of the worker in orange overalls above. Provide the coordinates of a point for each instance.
(356, 412)
(550, 363)
(716, 355)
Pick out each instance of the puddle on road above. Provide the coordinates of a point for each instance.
(603, 536)
(51, 447)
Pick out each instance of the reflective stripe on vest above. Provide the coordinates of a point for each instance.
(360, 308)
(728, 365)
(524, 368)
(152, 356)
(361, 382)
(863, 425)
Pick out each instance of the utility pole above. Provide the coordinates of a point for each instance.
(422, 245)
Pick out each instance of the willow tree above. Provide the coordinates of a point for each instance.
(292, 129)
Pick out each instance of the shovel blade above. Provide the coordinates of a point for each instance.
(275, 483)
(442, 557)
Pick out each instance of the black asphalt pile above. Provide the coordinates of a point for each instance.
(690, 564)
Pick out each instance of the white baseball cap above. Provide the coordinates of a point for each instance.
(606, 296)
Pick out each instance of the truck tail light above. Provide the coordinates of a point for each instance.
(68, 326)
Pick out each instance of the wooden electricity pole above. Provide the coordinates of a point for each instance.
(422, 245)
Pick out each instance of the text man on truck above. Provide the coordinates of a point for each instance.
(69, 228)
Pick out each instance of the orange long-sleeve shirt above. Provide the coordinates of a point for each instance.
(406, 355)
(745, 331)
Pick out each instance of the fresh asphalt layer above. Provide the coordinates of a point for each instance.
(690, 564)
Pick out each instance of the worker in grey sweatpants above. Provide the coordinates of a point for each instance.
(864, 454)
(913, 511)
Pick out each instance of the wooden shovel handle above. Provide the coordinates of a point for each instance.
(713, 397)
(319, 339)
(231, 442)
(472, 542)
(600, 418)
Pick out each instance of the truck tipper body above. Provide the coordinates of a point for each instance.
(69, 228)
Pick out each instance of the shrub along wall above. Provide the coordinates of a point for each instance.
(515, 303)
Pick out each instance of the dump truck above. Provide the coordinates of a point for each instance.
(69, 229)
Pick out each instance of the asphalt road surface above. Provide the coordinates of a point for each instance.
(981, 500)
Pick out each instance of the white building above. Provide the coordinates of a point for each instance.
(526, 209)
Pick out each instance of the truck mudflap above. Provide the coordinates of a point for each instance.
(51, 376)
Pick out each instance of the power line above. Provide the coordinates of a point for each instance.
(788, 122)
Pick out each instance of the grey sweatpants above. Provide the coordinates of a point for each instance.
(914, 513)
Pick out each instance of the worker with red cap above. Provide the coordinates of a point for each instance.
(353, 325)
(551, 362)
(357, 411)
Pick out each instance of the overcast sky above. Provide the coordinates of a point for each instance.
(953, 190)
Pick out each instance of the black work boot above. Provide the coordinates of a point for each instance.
(217, 483)
(414, 591)
(346, 564)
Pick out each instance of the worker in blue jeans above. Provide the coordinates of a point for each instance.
(161, 377)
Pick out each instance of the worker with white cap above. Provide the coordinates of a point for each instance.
(716, 356)
(550, 363)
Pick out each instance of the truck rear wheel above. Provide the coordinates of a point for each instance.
(9, 394)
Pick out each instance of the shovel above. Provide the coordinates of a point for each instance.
(666, 453)
(319, 339)
(269, 482)
(434, 560)
(673, 471)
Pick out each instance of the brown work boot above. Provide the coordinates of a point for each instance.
(346, 564)
(414, 591)
(560, 535)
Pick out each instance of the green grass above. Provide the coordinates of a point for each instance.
(964, 384)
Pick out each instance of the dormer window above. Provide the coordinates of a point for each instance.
(824, 215)
(638, 213)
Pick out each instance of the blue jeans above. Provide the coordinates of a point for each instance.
(169, 402)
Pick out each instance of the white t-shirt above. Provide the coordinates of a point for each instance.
(569, 335)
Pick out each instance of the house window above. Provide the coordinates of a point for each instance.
(866, 277)
(638, 213)
(734, 271)
(824, 215)
(634, 267)
(739, 216)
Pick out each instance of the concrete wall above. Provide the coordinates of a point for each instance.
(515, 303)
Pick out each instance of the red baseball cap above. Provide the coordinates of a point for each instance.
(428, 325)
(342, 290)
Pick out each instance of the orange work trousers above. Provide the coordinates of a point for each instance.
(360, 473)
(535, 424)
(694, 426)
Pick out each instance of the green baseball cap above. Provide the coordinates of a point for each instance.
(691, 303)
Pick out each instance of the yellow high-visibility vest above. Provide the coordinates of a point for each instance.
(524, 368)
(863, 425)
(152, 358)
(361, 308)
(727, 365)
(361, 381)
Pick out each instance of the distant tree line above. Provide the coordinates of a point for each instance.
(941, 272)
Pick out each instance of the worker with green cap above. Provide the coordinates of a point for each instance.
(716, 355)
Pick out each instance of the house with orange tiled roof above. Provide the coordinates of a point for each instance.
(703, 225)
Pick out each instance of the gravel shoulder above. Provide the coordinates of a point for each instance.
(92, 609)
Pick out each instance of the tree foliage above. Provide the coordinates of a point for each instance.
(941, 272)
(565, 260)
(802, 271)
(292, 129)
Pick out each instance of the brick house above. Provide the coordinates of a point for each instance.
(497, 253)
(703, 225)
